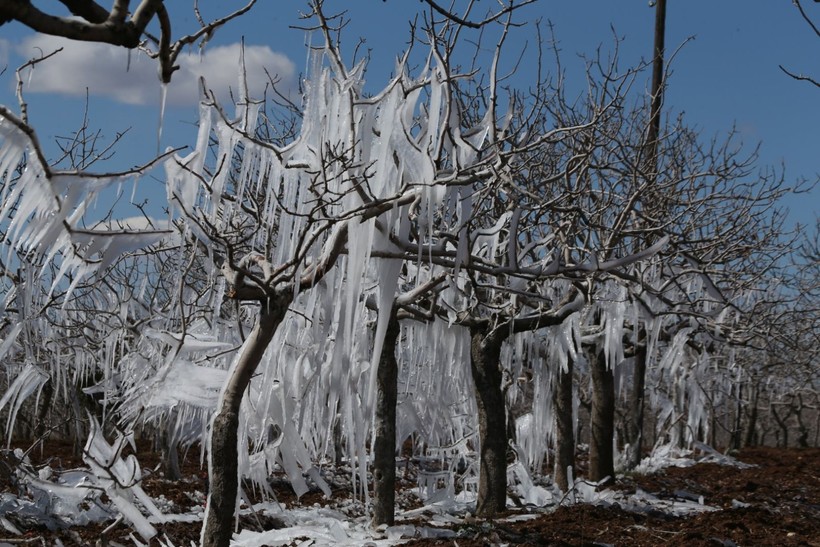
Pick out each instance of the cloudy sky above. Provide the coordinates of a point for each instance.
(130, 77)
(726, 76)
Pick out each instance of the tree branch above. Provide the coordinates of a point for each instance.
(88, 10)
(114, 27)
(126, 34)
(800, 77)
(447, 13)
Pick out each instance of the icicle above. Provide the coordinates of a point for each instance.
(26, 383)
(163, 98)
(6, 343)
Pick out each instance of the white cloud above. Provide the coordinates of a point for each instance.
(131, 76)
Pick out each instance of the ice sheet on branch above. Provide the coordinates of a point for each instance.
(76, 497)
(28, 381)
(358, 151)
(43, 212)
(352, 151)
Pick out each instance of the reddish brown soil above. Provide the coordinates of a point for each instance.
(782, 493)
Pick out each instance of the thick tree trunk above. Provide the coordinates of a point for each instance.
(384, 444)
(602, 420)
(636, 407)
(485, 357)
(564, 430)
(223, 472)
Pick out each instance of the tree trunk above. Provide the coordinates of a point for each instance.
(79, 434)
(167, 446)
(338, 440)
(485, 361)
(751, 426)
(41, 425)
(602, 420)
(223, 472)
(636, 406)
(782, 422)
(712, 426)
(803, 437)
(564, 430)
(384, 445)
(734, 439)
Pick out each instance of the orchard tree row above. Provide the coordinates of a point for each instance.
(491, 270)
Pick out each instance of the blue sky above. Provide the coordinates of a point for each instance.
(727, 75)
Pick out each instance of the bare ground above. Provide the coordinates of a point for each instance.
(777, 502)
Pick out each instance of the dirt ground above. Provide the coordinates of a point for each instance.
(777, 502)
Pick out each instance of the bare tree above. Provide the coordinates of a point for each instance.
(515, 232)
(347, 180)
